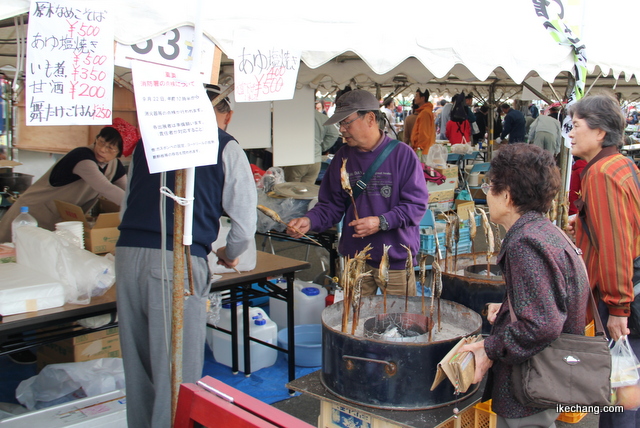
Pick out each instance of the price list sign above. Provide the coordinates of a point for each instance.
(69, 71)
(265, 73)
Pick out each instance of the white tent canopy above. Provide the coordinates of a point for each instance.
(421, 40)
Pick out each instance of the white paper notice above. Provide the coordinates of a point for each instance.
(173, 48)
(69, 72)
(176, 118)
(265, 73)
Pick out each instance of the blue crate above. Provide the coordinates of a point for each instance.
(427, 243)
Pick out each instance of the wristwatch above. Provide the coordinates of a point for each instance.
(384, 226)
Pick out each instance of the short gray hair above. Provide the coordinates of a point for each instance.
(604, 112)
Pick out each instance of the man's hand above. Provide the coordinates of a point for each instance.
(298, 226)
(365, 226)
(224, 260)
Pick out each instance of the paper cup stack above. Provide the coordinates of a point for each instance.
(73, 231)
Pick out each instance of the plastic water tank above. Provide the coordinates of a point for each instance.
(262, 328)
(308, 304)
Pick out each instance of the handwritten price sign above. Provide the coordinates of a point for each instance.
(69, 74)
(265, 74)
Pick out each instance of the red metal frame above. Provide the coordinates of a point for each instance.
(195, 404)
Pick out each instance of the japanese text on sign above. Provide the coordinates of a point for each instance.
(69, 72)
(176, 118)
(265, 74)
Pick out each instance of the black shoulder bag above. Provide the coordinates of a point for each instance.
(362, 183)
(573, 369)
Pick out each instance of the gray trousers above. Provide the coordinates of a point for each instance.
(144, 317)
(547, 141)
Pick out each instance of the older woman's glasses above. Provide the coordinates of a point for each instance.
(106, 146)
(485, 188)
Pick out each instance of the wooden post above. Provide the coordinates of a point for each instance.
(177, 307)
(177, 314)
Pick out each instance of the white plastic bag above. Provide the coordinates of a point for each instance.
(437, 156)
(624, 364)
(57, 383)
(82, 273)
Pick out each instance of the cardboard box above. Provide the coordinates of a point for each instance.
(450, 171)
(103, 235)
(92, 346)
(441, 195)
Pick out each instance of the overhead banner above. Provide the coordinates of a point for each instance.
(552, 14)
(264, 72)
(69, 70)
(175, 116)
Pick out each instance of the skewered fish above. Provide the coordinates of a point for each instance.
(423, 278)
(383, 273)
(276, 217)
(408, 266)
(355, 303)
(346, 185)
(488, 231)
(472, 232)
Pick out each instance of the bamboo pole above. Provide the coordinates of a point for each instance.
(177, 307)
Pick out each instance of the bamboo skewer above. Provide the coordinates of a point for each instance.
(276, 217)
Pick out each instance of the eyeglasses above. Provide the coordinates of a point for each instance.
(485, 188)
(346, 125)
(106, 146)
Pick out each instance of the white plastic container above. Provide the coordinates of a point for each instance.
(262, 328)
(23, 219)
(308, 304)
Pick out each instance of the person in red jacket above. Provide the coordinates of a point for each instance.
(575, 184)
(458, 132)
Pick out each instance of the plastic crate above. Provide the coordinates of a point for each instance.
(427, 242)
(571, 418)
(484, 417)
(465, 419)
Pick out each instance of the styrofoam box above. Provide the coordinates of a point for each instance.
(108, 410)
(24, 290)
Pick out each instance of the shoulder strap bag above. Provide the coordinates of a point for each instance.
(573, 369)
(362, 183)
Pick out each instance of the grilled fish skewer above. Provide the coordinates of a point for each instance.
(355, 303)
(455, 225)
(408, 266)
(346, 185)
(276, 217)
(473, 230)
(438, 290)
(488, 231)
(435, 267)
(423, 278)
(383, 274)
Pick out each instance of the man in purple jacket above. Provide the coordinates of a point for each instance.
(391, 206)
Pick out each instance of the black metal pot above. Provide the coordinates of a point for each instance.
(473, 290)
(16, 182)
(390, 374)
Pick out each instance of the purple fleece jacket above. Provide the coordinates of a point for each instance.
(397, 190)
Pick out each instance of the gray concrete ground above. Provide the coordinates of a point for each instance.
(307, 408)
